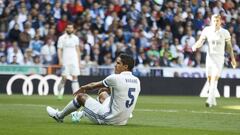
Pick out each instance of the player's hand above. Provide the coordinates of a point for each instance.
(81, 90)
(234, 63)
(103, 89)
(194, 48)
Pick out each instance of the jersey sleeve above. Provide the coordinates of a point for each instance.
(227, 36)
(77, 41)
(110, 81)
(60, 43)
(204, 33)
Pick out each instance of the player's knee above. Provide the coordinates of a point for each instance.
(81, 98)
(102, 96)
(75, 77)
(64, 79)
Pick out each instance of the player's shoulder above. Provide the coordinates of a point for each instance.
(75, 36)
(207, 28)
(112, 76)
(62, 36)
(224, 30)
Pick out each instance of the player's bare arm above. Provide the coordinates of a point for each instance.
(105, 89)
(60, 56)
(89, 87)
(229, 49)
(198, 44)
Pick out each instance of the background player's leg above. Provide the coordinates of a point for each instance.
(75, 84)
(210, 98)
(215, 88)
(61, 86)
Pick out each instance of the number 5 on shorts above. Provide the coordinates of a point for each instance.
(129, 102)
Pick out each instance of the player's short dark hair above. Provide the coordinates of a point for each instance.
(70, 23)
(127, 60)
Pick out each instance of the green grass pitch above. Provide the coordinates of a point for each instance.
(153, 115)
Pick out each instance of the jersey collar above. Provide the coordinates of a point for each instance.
(126, 72)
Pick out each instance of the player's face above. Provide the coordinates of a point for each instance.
(119, 67)
(216, 22)
(69, 29)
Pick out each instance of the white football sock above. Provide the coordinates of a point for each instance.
(215, 84)
(61, 85)
(75, 86)
(70, 107)
(211, 95)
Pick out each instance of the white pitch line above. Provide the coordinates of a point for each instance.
(28, 105)
(187, 111)
(145, 110)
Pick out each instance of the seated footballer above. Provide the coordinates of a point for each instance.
(113, 109)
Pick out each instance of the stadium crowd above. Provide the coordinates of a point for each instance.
(156, 35)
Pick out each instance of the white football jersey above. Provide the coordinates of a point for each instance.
(216, 39)
(125, 89)
(68, 43)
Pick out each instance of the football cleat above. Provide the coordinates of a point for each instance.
(208, 105)
(76, 116)
(53, 113)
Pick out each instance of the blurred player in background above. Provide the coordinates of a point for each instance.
(218, 38)
(115, 109)
(69, 58)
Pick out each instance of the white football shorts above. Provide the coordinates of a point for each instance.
(71, 69)
(214, 65)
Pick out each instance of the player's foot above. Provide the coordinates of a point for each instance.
(76, 116)
(60, 97)
(131, 116)
(53, 113)
(208, 105)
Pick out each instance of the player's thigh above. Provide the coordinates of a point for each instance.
(214, 65)
(65, 70)
(95, 111)
(75, 70)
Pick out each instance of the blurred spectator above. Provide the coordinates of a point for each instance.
(57, 10)
(48, 53)
(62, 24)
(3, 60)
(28, 57)
(165, 54)
(164, 60)
(14, 60)
(3, 49)
(4, 17)
(15, 21)
(36, 45)
(153, 53)
(22, 13)
(37, 61)
(176, 49)
(86, 64)
(14, 33)
(198, 22)
(115, 26)
(14, 54)
(24, 39)
(143, 69)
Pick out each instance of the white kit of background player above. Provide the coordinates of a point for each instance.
(69, 58)
(217, 37)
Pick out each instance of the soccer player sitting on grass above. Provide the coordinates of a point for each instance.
(217, 38)
(114, 109)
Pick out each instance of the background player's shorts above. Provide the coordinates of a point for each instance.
(71, 69)
(96, 111)
(214, 65)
